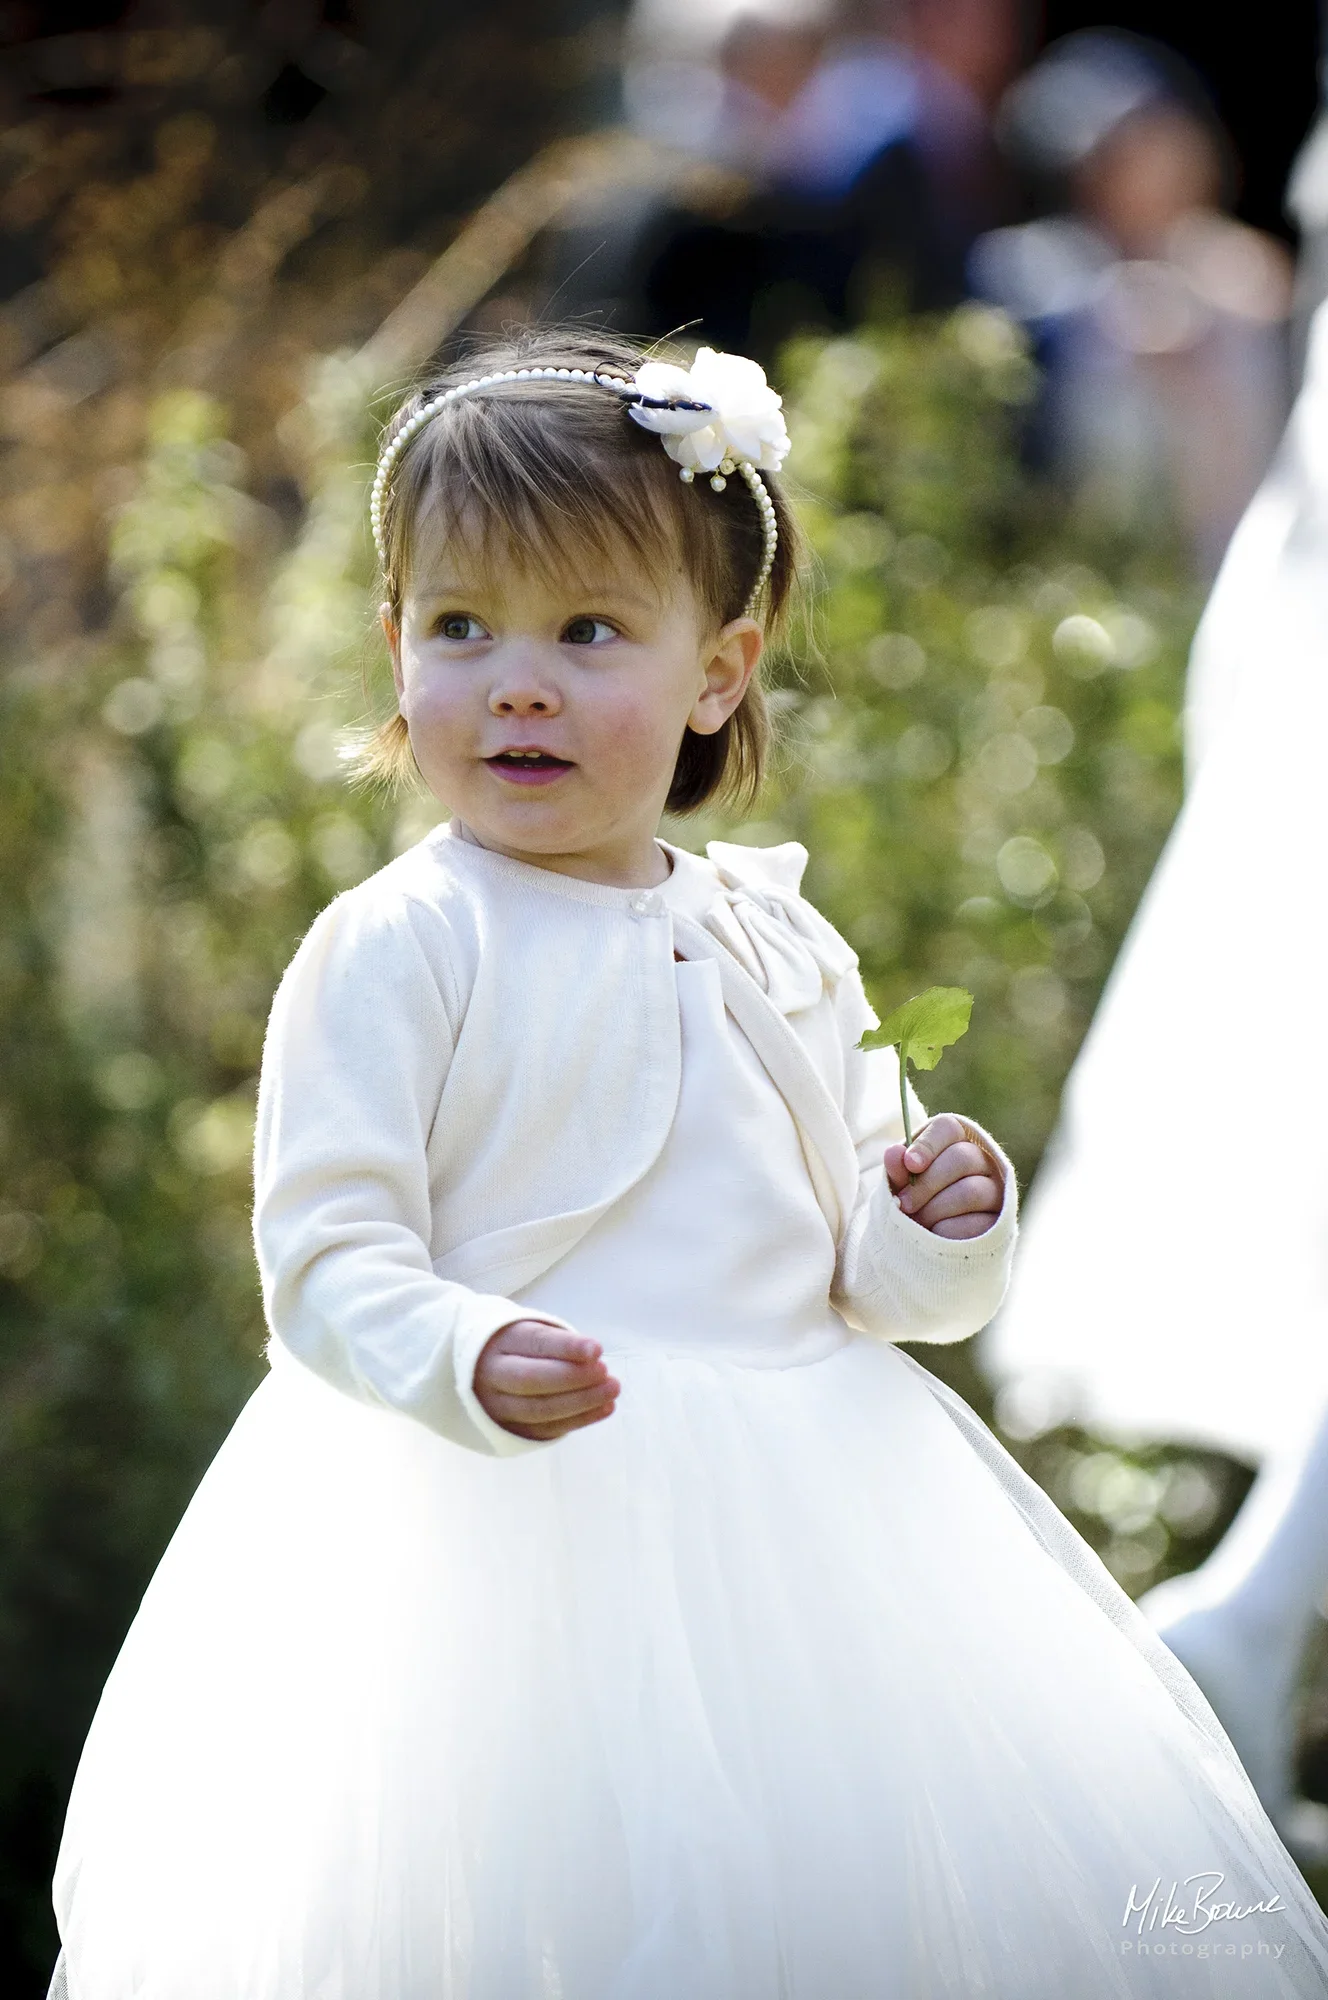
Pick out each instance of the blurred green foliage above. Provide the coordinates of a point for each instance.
(161, 854)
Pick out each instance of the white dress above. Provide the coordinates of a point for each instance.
(1205, 1315)
(783, 1683)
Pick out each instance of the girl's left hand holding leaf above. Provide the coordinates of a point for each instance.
(958, 1189)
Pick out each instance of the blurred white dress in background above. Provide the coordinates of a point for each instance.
(1194, 1122)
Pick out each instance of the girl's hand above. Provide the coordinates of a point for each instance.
(958, 1190)
(540, 1381)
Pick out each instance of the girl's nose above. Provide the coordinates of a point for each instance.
(523, 691)
(522, 704)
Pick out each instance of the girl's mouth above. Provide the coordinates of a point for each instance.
(519, 768)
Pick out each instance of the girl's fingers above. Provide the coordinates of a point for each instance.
(904, 1164)
(544, 1410)
(958, 1162)
(533, 1375)
(540, 1381)
(549, 1409)
(976, 1194)
(965, 1225)
(928, 1144)
(537, 1337)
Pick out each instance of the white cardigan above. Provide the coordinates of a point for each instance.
(469, 1058)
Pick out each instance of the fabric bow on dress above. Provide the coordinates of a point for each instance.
(777, 937)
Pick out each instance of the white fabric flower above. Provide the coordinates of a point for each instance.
(744, 418)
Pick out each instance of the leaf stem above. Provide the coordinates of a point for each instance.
(903, 1092)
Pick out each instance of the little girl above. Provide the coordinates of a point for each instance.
(594, 1602)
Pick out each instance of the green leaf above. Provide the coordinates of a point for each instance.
(920, 1029)
(928, 1023)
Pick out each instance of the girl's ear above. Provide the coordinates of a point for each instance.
(728, 663)
(392, 633)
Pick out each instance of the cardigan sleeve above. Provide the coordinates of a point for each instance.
(893, 1278)
(357, 1047)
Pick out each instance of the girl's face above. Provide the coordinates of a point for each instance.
(598, 677)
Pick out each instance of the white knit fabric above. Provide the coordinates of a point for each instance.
(470, 1059)
(1201, 1324)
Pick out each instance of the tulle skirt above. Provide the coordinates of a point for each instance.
(784, 1683)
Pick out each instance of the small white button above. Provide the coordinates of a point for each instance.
(647, 904)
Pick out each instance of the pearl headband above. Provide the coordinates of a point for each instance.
(719, 416)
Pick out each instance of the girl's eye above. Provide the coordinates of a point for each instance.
(460, 625)
(589, 631)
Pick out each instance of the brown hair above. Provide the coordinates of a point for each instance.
(555, 470)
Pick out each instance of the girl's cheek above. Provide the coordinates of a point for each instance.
(430, 704)
(637, 730)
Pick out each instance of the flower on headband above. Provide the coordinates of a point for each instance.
(743, 420)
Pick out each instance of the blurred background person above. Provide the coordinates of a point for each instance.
(1160, 321)
(859, 144)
